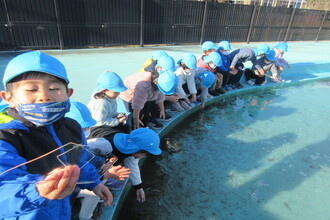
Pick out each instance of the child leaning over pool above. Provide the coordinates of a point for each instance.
(35, 83)
(103, 104)
(80, 113)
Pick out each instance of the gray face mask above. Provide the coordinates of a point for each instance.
(225, 52)
(87, 133)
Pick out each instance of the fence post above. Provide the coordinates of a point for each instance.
(142, 24)
(59, 27)
(289, 25)
(251, 24)
(318, 33)
(203, 23)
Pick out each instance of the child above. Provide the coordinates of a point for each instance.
(103, 105)
(129, 148)
(223, 50)
(37, 93)
(211, 62)
(239, 57)
(146, 91)
(267, 64)
(280, 62)
(208, 47)
(204, 81)
(149, 64)
(89, 200)
(186, 81)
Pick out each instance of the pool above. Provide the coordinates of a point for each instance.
(261, 155)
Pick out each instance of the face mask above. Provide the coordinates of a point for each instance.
(42, 114)
(87, 133)
(212, 65)
(225, 52)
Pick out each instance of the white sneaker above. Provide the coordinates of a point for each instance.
(276, 81)
(250, 82)
(264, 82)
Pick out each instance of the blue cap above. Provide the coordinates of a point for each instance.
(271, 55)
(207, 79)
(213, 57)
(80, 113)
(189, 60)
(224, 45)
(283, 46)
(263, 49)
(110, 81)
(166, 63)
(34, 61)
(158, 53)
(167, 82)
(208, 45)
(139, 139)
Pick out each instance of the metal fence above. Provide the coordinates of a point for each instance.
(41, 24)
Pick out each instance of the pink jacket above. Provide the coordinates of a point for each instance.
(139, 90)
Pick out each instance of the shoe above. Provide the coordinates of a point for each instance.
(168, 117)
(233, 87)
(220, 90)
(238, 85)
(279, 78)
(276, 81)
(209, 96)
(250, 82)
(177, 106)
(114, 184)
(227, 88)
(153, 123)
(264, 82)
(184, 105)
(214, 93)
(194, 103)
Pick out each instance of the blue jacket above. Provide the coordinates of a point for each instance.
(225, 62)
(21, 141)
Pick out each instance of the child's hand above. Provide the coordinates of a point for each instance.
(137, 123)
(123, 119)
(59, 183)
(281, 68)
(117, 172)
(140, 195)
(233, 71)
(202, 105)
(104, 193)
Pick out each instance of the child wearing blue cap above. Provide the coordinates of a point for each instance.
(150, 64)
(34, 124)
(103, 104)
(89, 201)
(239, 57)
(145, 96)
(280, 62)
(257, 77)
(210, 63)
(204, 81)
(129, 149)
(186, 82)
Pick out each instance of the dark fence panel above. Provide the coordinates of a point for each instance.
(227, 22)
(93, 23)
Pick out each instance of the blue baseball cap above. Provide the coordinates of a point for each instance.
(167, 82)
(207, 79)
(34, 61)
(166, 63)
(224, 45)
(139, 139)
(283, 46)
(158, 53)
(80, 113)
(271, 55)
(189, 60)
(208, 45)
(213, 57)
(110, 81)
(263, 49)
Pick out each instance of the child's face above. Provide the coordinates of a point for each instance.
(110, 94)
(40, 90)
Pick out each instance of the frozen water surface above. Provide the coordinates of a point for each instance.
(261, 155)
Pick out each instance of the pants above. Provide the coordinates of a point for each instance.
(249, 74)
(89, 201)
(218, 81)
(233, 79)
(150, 110)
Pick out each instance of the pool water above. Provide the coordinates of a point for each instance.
(262, 155)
